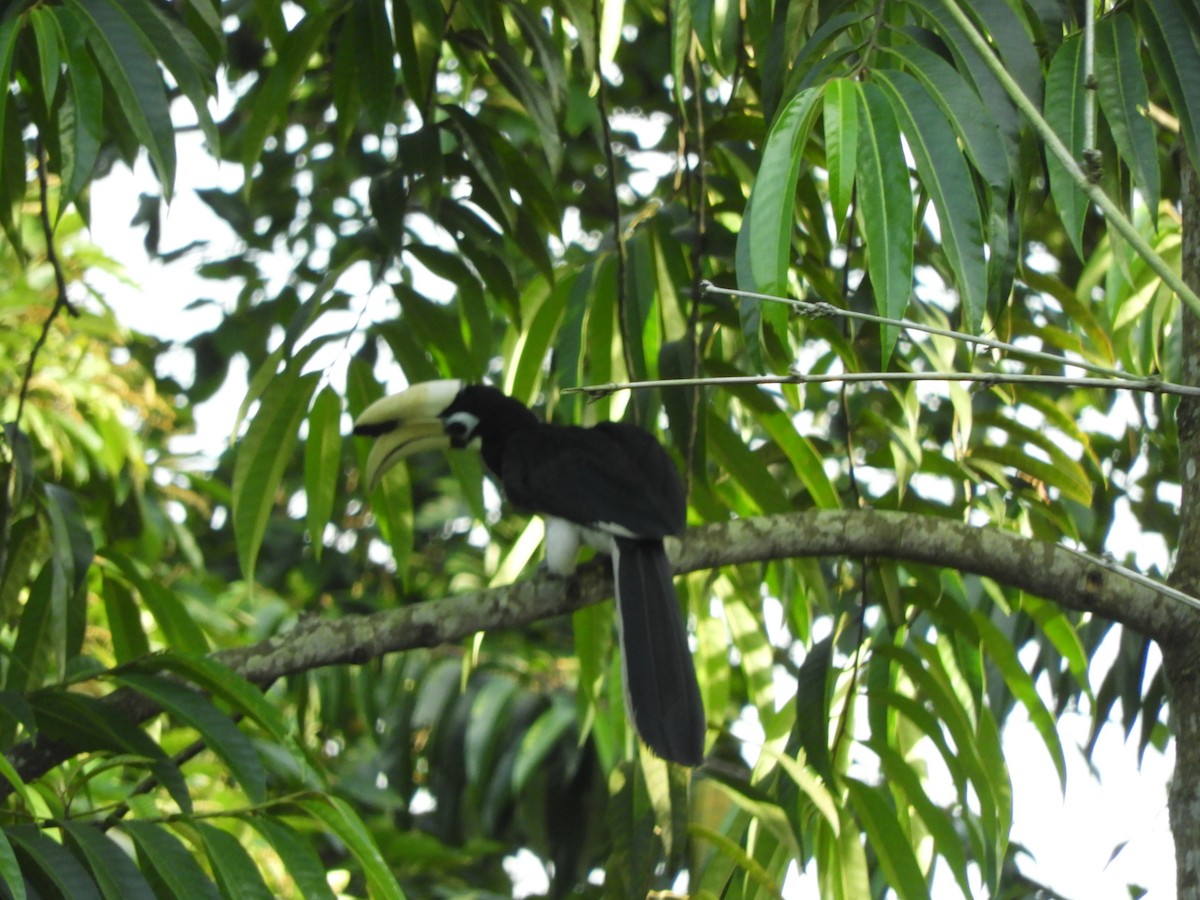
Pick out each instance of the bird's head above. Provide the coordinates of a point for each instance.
(436, 415)
(410, 422)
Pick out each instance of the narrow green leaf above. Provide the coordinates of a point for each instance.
(1064, 110)
(124, 621)
(1003, 655)
(49, 40)
(273, 97)
(1072, 482)
(219, 732)
(322, 461)
(167, 856)
(340, 818)
(964, 110)
(547, 730)
(745, 468)
(222, 682)
(1176, 58)
(178, 627)
(299, 858)
(733, 851)
(892, 847)
(36, 651)
(944, 174)
(757, 664)
(812, 707)
(901, 775)
(516, 76)
(375, 63)
(81, 116)
(112, 868)
(756, 803)
(769, 220)
(85, 723)
(528, 355)
(10, 27)
(52, 862)
(885, 205)
(237, 876)
(10, 869)
(1124, 99)
(262, 457)
(841, 144)
(133, 72)
(479, 142)
(179, 51)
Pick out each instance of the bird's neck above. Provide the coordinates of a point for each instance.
(506, 418)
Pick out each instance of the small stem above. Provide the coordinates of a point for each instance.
(823, 309)
(988, 379)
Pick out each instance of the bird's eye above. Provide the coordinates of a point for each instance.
(460, 428)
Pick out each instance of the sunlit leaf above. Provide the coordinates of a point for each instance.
(263, 454)
(886, 210)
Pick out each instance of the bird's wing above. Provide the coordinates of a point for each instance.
(613, 477)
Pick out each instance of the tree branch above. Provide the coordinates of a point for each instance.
(1047, 570)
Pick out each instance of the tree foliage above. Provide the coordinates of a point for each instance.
(549, 197)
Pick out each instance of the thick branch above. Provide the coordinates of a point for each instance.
(1040, 568)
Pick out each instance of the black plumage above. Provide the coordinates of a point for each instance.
(613, 487)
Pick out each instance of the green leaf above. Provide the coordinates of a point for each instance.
(299, 858)
(13, 185)
(80, 119)
(38, 646)
(237, 875)
(964, 110)
(275, 95)
(262, 457)
(219, 732)
(169, 859)
(1066, 99)
(944, 174)
(892, 847)
(755, 802)
(222, 682)
(812, 707)
(112, 868)
(885, 205)
(49, 39)
(768, 225)
(127, 65)
(1176, 58)
(375, 63)
(183, 57)
(1003, 655)
(1124, 99)
(85, 723)
(124, 621)
(10, 869)
(322, 463)
(902, 776)
(337, 816)
(178, 627)
(547, 730)
(48, 863)
(841, 144)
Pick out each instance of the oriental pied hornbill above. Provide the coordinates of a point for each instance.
(611, 486)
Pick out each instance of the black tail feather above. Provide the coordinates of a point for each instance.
(660, 678)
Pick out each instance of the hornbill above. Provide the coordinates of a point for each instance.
(611, 486)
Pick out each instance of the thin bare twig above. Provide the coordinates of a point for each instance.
(61, 302)
(821, 309)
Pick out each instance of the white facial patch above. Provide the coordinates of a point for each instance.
(460, 426)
